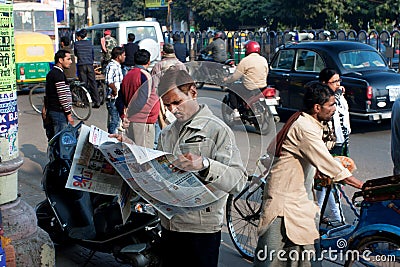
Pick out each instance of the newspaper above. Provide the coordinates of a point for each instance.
(147, 172)
(90, 171)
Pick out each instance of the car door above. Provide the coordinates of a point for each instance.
(279, 74)
(307, 66)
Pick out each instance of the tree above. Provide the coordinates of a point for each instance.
(389, 10)
(289, 14)
(122, 10)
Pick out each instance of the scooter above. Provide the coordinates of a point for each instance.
(91, 220)
(259, 110)
(211, 72)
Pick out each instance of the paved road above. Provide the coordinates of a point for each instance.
(370, 148)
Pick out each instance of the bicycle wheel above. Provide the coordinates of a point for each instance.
(376, 251)
(81, 102)
(36, 97)
(101, 87)
(242, 217)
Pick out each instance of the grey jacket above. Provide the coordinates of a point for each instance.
(208, 136)
(218, 50)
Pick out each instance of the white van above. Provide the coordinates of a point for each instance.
(148, 34)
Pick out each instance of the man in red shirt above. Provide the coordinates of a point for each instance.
(138, 103)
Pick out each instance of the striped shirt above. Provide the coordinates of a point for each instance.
(58, 94)
(113, 75)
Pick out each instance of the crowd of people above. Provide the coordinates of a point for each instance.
(138, 101)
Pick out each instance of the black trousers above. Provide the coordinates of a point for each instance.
(86, 75)
(181, 249)
(239, 93)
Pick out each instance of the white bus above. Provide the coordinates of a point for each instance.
(36, 17)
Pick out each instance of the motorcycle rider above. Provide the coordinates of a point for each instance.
(217, 48)
(254, 69)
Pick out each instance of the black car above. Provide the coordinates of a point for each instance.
(371, 86)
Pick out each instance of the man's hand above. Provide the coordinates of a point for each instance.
(354, 182)
(114, 90)
(125, 123)
(122, 138)
(188, 162)
(70, 119)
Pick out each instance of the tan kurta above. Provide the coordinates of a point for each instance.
(289, 188)
(254, 69)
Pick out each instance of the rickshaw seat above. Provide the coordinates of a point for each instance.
(380, 189)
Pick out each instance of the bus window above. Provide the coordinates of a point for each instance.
(44, 20)
(23, 20)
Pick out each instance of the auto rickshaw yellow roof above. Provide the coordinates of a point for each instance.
(33, 47)
(32, 38)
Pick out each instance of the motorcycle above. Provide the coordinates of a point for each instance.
(211, 72)
(258, 110)
(91, 220)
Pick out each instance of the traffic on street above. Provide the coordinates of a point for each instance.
(369, 148)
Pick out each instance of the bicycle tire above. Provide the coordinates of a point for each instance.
(382, 251)
(81, 102)
(36, 97)
(101, 87)
(242, 217)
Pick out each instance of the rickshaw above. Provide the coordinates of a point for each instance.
(372, 239)
(34, 57)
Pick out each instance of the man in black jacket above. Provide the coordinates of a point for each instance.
(181, 51)
(130, 49)
(83, 50)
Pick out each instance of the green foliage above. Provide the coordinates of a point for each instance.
(117, 10)
(132, 10)
(289, 14)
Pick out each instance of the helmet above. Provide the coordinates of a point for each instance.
(218, 35)
(252, 47)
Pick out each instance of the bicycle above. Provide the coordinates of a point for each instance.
(81, 99)
(100, 82)
(372, 237)
(243, 215)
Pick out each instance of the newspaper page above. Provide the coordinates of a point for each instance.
(90, 171)
(122, 159)
(172, 188)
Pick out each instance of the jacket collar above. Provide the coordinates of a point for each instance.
(194, 122)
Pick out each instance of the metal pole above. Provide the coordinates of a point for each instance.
(89, 13)
(33, 246)
(169, 15)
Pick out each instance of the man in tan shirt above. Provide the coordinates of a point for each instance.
(254, 70)
(289, 221)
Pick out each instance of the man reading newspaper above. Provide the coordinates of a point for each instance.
(204, 145)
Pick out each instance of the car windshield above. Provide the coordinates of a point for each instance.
(360, 60)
